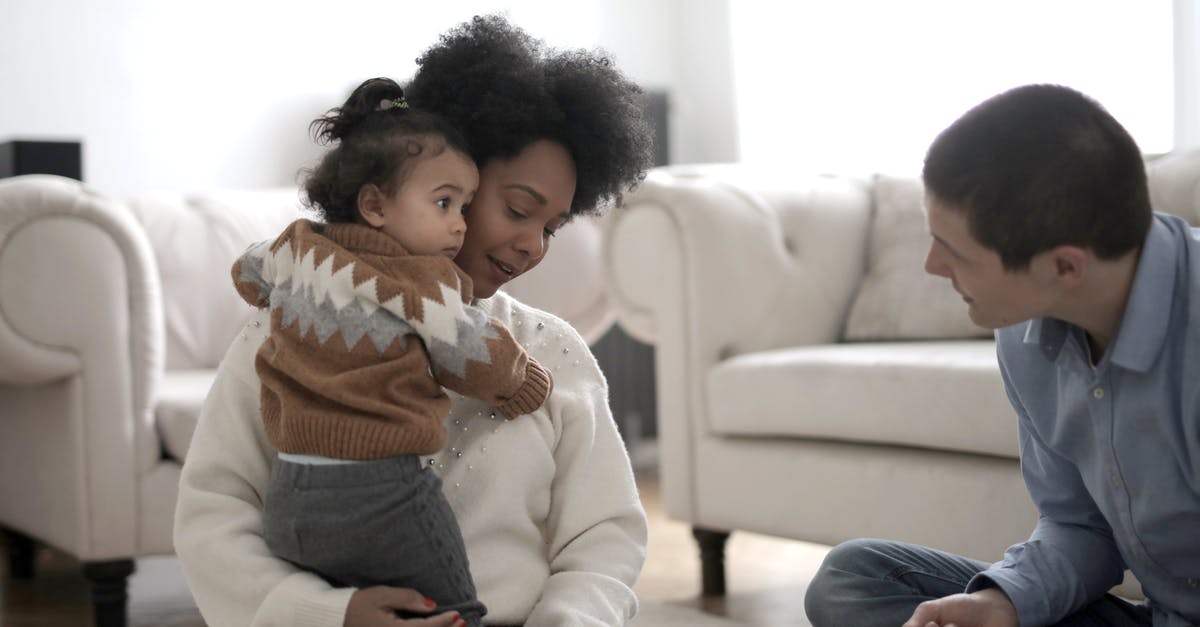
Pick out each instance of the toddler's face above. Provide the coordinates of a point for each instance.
(426, 213)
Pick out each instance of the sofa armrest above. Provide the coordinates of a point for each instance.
(80, 323)
(709, 262)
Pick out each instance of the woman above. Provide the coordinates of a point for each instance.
(554, 529)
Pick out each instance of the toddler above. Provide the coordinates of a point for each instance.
(370, 317)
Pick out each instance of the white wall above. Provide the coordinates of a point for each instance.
(1187, 67)
(832, 83)
(191, 94)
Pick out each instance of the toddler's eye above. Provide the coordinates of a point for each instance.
(444, 203)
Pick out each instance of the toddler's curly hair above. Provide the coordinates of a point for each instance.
(372, 145)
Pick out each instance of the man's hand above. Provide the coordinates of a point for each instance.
(377, 607)
(986, 608)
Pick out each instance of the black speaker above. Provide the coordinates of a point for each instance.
(64, 158)
(628, 364)
(656, 110)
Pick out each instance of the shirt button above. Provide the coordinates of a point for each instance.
(1193, 582)
(1115, 480)
(1098, 393)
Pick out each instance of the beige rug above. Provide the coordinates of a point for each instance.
(160, 598)
(662, 614)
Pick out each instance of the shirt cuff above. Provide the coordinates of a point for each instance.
(1029, 610)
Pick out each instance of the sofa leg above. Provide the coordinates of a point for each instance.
(21, 553)
(712, 560)
(110, 590)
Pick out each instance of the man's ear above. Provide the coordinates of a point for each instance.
(370, 204)
(1069, 265)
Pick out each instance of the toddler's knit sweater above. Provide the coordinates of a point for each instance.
(364, 336)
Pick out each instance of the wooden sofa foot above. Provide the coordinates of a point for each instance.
(110, 590)
(21, 553)
(712, 560)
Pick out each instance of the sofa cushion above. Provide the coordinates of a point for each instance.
(937, 395)
(196, 239)
(181, 394)
(897, 299)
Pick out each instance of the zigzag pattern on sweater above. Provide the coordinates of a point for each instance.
(322, 301)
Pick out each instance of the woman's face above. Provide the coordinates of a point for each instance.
(521, 202)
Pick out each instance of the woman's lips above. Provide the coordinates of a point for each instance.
(503, 271)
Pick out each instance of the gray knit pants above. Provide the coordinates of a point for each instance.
(382, 522)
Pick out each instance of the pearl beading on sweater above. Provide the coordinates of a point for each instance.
(461, 421)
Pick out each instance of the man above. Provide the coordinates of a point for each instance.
(1040, 215)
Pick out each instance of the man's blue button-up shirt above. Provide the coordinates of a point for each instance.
(1111, 453)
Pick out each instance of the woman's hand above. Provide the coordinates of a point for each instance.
(986, 608)
(377, 607)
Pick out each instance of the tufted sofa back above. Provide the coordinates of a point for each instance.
(792, 269)
(196, 238)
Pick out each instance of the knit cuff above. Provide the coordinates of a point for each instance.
(325, 609)
(532, 393)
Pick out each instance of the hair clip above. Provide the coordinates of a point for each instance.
(387, 104)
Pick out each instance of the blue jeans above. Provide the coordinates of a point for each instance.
(879, 583)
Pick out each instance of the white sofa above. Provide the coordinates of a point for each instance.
(114, 313)
(812, 382)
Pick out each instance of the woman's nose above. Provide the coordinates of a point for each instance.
(531, 243)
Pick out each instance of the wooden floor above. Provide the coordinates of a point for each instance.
(766, 579)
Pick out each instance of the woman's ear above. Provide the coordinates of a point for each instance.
(370, 204)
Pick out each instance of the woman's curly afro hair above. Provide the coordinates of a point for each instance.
(504, 90)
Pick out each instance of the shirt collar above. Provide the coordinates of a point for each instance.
(1148, 311)
(1143, 327)
(1048, 334)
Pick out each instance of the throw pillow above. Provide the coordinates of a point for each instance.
(897, 299)
(1174, 181)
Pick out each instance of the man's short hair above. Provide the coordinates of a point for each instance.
(1041, 166)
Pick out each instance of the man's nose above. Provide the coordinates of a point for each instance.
(934, 264)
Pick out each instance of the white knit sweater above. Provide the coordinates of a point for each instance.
(554, 528)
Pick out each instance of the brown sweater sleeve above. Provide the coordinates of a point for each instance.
(470, 352)
(249, 278)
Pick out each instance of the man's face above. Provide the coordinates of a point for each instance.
(995, 297)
